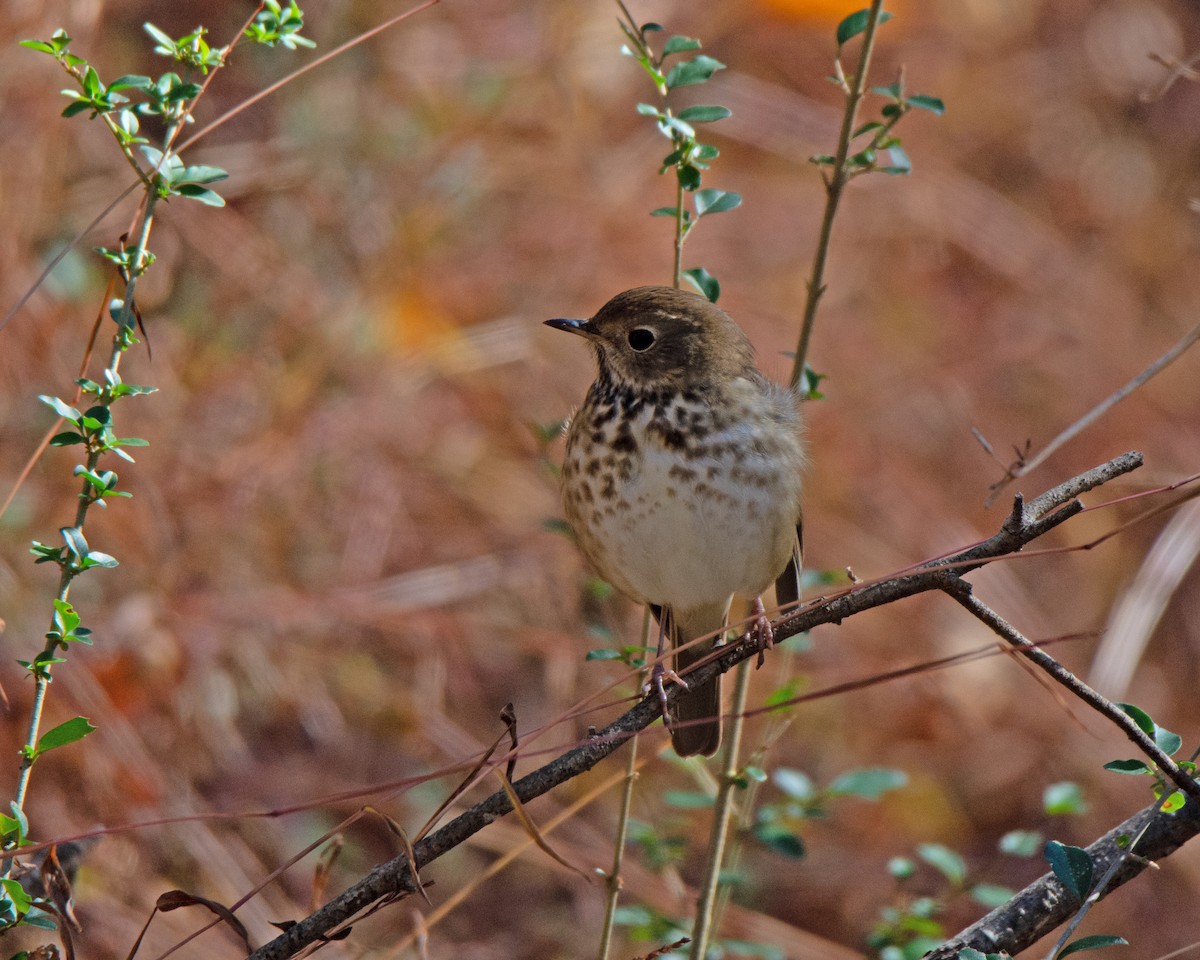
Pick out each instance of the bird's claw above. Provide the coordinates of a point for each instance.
(658, 675)
(760, 633)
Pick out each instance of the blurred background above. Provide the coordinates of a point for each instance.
(340, 563)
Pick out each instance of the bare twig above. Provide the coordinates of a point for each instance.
(1024, 464)
(1025, 524)
(961, 591)
(723, 809)
(1176, 70)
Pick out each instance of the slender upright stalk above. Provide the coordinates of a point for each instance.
(680, 232)
(722, 818)
(833, 190)
(613, 881)
(68, 571)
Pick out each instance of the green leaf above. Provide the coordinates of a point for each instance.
(131, 389)
(901, 867)
(870, 783)
(705, 282)
(20, 818)
(603, 654)
(922, 102)
(207, 197)
(75, 541)
(74, 729)
(164, 41)
(855, 24)
(676, 129)
(703, 114)
(794, 783)
(900, 163)
(67, 439)
(1140, 717)
(1021, 843)
(1062, 798)
(1072, 866)
(687, 799)
(868, 127)
(970, 953)
(689, 177)
(41, 46)
(65, 616)
(648, 110)
(80, 106)
(665, 212)
(678, 44)
(131, 81)
(17, 894)
(1094, 942)
(97, 559)
(1167, 741)
(781, 840)
(64, 410)
(712, 200)
(810, 383)
(946, 861)
(693, 71)
(43, 921)
(1127, 766)
(201, 173)
(1174, 802)
(991, 895)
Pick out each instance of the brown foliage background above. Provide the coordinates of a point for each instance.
(336, 570)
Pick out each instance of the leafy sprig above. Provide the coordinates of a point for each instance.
(689, 157)
(120, 105)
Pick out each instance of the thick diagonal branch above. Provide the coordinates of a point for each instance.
(1045, 903)
(1027, 522)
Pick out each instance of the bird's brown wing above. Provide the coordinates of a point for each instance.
(787, 584)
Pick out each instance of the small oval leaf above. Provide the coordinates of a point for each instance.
(1094, 942)
(1072, 866)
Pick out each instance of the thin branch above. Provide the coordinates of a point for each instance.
(723, 809)
(961, 591)
(838, 178)
(1024, 465)
(392, 879)
(613, 879)
(300, 71)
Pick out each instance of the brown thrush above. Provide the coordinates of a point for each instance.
(682, 479)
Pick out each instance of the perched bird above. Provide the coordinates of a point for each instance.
(682, 479)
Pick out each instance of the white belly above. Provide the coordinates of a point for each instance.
(685, 530)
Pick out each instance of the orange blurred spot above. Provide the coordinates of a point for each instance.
(824, 11)
(416, 325)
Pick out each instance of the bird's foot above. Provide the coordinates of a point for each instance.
(659, 674)
(760, 632)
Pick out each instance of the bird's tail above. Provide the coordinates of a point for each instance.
(696, 715)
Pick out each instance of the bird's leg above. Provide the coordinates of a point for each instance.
(660, 672)
(760, 631)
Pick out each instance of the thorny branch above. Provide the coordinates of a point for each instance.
(393, 879)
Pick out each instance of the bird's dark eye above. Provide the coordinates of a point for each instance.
(641, 338)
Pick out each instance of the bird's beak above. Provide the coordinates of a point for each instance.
(582, 327)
